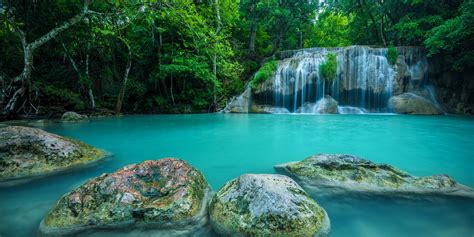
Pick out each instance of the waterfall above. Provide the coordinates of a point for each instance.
(364, 81)
(364, 78)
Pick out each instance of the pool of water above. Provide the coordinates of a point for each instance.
(224, 146)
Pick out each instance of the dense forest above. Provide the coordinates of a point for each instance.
(185, 56)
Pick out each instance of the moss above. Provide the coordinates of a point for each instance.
(264, 73)
(392, 55)
(328, 68)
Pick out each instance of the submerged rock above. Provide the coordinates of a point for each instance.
(326, 105)
(26, 153)
(333, 173)
(266, 205)
(412, 103)
(157, 194)
(265, 109)
(73, 117)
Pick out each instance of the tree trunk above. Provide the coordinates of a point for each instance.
(21, 83)
(253, 29)
(301, 39)
(160, 45)
(118, 107)
(89, 84)
(171, 90)
(214, 60)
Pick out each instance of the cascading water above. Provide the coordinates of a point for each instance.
(364, 81)
(364, 78)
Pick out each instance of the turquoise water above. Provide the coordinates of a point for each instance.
(223, 146)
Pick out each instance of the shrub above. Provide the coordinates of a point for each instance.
(329, 67)
(58, 96)
(392, 55)
(264, 73)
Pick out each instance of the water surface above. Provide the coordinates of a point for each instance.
(224, 146)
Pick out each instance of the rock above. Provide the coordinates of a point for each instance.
(333, 174)
(265, 109)
(27, 153)
(241, 103)
(325, 105)
(73, 117)
(165, 194)
(350, 110)
(412, 103)
(266, 205)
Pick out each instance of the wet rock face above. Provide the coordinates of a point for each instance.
(266, 205)
(325, 105)
(156, 194)
(240, 104)
(73, 117)
(28, 152)
(347, 173)
(412, 103)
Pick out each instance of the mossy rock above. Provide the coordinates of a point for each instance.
(27, 153)
(157, 194)
(73, 117)
(266, 205)
(324, 174)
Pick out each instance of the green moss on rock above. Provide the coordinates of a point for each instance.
(29, 152)
(266, 205)
(154, 194)
(346, 172)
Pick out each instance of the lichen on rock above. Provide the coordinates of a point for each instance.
(266, 205)
(336, 173)
(27, 152)
(71, 116)
(155, 194)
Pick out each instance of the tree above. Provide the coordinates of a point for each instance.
(454, 38)
(331, 30)
(20, 90)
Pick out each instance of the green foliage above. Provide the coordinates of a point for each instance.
(328, 68)
(264, 73)
(61, 97)
(186, 57)
(392, 55)
(331, 30)
(454, 38)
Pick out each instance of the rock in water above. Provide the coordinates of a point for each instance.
(324, 174)
(412, 103)
(266, 109)
(73, 117)
(26, 153)
(325, 105)
(156, 194)
(266, 205)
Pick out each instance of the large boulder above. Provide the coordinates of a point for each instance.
(73, 117)
(325, 105)
(26, 153)
(324, 174)
(266, 205)
(166, 194)
(412, 103)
